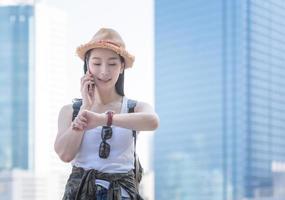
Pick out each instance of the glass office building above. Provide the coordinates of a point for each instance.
(220, 77)
(16, 54)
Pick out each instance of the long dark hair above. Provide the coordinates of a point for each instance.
(119, 86)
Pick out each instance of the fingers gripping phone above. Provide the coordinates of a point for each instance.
(88, 72)
(91, 87)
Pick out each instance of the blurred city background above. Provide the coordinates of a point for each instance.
(213, 70)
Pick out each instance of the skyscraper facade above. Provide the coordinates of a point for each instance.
(220, 96)
(16, 53)
(33, 69)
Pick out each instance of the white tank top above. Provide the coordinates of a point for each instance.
(121, 158)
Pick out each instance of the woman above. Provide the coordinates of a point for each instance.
(99, 142)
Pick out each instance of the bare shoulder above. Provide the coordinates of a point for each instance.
(66, 110)
(65, 117)
(144, 107)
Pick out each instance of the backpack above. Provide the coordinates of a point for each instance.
(138, 170)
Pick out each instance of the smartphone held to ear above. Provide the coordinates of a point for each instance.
(91, 87)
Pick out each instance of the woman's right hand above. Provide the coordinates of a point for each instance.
(87, 90)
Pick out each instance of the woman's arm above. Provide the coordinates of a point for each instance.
(68, 140)
(143, 119)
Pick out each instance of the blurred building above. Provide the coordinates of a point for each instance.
(16, 64)
(220, 77)
(51, 93)
(17, 111)
(33, 87)
(22, 185)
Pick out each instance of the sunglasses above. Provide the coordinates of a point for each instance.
(104, 149)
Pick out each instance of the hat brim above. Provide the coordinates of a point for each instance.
(129, 59)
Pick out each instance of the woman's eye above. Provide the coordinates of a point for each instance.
(112, 64)
(97, 64)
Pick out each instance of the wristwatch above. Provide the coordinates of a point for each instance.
(109, 114)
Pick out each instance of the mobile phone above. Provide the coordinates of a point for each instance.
(93, 85)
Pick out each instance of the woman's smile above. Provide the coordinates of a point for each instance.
(103, 80)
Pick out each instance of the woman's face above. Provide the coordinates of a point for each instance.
(106, 67)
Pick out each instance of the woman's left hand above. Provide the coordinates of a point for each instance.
(93, 119)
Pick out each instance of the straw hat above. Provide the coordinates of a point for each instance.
(109, 39)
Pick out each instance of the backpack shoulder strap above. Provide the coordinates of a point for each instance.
(131, 105)
(131, 108)
(76, 107)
